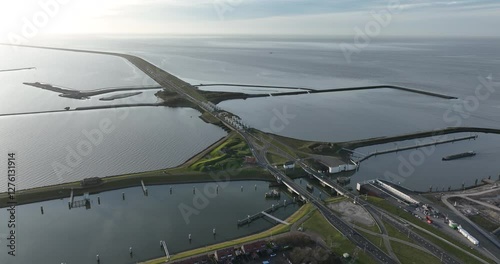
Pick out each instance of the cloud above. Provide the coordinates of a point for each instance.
(296, 17)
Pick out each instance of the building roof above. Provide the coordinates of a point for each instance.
(250, 159)
(255, 246)
(223, 253)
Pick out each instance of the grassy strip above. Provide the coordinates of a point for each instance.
(304, 210)
(407, 254)
(273, 141)
(376, 240)
(229, 154)
(275, 159)
(393, 232)
(209, 118)
(335, 240)
(483, 222)
(132, 180)
(373, 228)
(336, 199)
(438, 242)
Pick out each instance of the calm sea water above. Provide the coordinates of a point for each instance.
(141, 139)
(76, 236)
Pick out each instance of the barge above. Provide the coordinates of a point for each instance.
(460, 155)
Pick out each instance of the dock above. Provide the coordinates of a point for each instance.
(275, 218)
(144, 189)
(266, 212)
(79, 203)
(164, 246)
(71, 198)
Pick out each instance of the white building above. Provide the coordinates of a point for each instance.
(289, 165)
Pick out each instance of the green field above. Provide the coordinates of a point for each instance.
(484, 223)
(376, 240)
(275, 159)
(334, 239)
(409, 255)
(229, 154)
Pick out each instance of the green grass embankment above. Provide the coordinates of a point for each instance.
(334, 239)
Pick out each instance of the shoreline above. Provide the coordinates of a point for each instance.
(180, 174)
(118, 182)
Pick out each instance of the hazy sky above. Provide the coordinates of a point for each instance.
(29, 18)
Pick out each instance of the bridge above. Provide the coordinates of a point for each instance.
(266, 212)
(354, 152)
(323, 179)
(275, 218)
(290, 184)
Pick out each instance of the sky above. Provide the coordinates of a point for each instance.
(33, 18)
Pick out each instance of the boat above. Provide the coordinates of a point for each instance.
(460, 155)
(273, 194)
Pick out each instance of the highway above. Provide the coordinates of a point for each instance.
(341, 226)
(437, 251)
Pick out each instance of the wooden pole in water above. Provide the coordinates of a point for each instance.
(41, 209)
